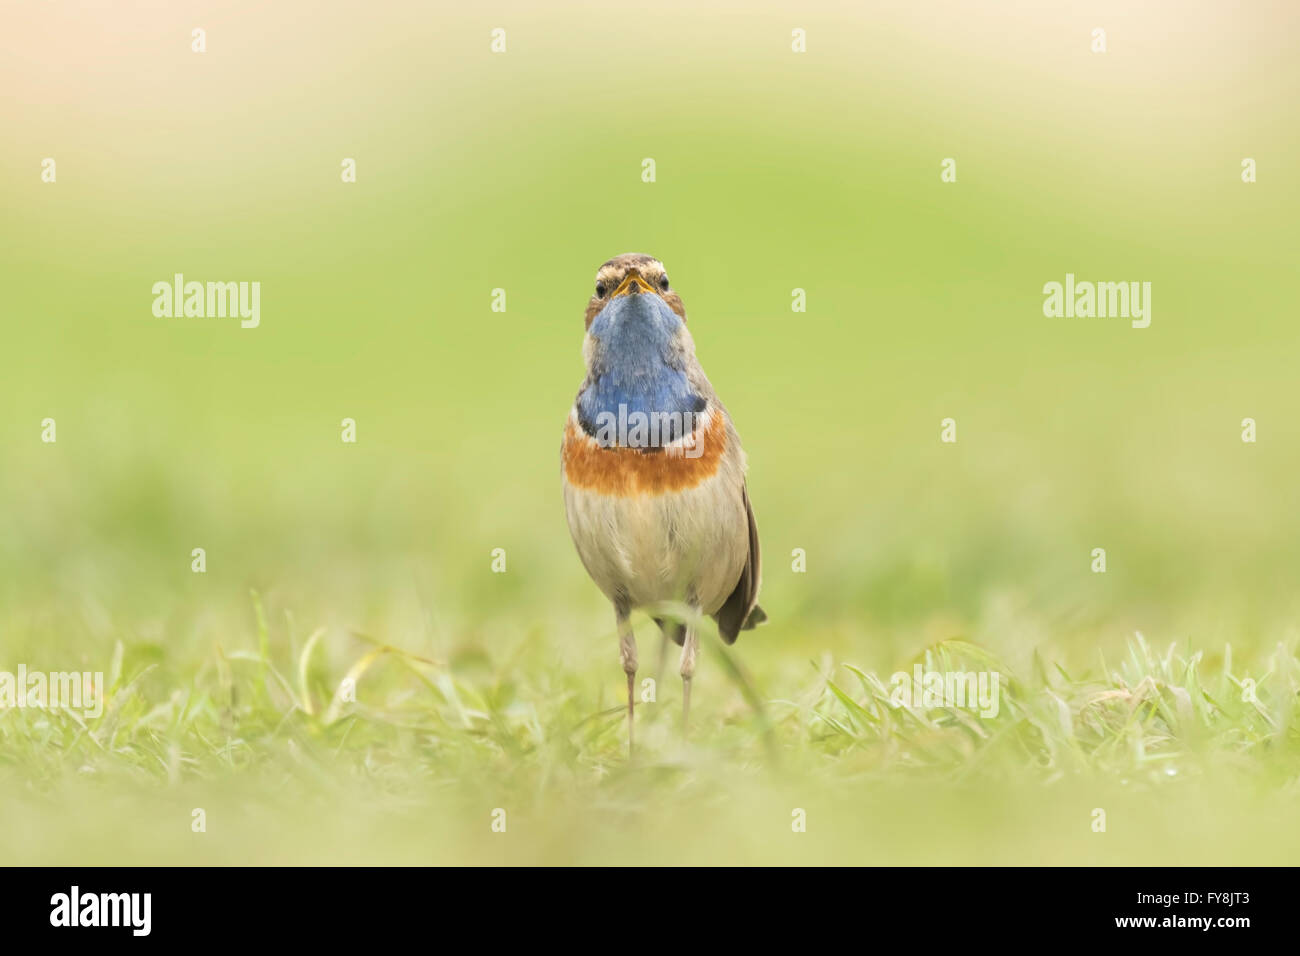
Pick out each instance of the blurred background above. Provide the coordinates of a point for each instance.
(521, 170)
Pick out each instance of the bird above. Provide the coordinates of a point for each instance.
(654, 474)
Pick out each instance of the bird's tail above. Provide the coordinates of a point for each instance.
(676, 632)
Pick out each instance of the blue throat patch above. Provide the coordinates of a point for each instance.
(635, 375)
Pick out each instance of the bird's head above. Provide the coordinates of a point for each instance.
(632, 274)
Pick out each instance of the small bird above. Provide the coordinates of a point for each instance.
(653, 471)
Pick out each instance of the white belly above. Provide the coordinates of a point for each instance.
(686, 545)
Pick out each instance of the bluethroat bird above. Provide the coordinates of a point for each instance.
(653, 471)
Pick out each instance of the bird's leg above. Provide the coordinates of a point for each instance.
(627, 654)
(690, 647)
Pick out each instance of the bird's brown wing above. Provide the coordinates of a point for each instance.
(741, 612)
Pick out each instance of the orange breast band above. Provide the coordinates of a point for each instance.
(632, 471)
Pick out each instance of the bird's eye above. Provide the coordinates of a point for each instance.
(663, 282)
(600, 290)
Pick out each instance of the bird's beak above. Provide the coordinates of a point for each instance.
(631, 285)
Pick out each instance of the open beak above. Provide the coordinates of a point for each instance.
(631, 285)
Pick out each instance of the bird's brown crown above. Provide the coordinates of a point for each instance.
(632, 273)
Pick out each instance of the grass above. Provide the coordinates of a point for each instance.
(286, 770)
